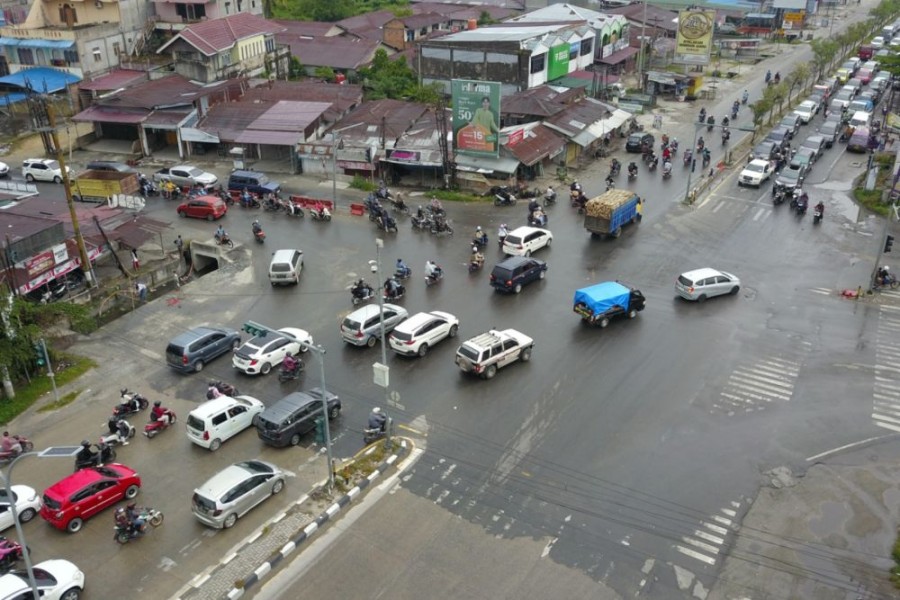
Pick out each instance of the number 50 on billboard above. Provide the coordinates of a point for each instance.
(476, 116)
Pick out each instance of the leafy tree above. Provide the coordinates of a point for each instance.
(760, 109)
(296, 69)
(324, 73)
(485, 18)
(824, 51)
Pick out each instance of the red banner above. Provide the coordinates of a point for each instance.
(515, 137)
(39, 263)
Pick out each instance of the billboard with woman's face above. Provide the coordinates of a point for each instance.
(476, 117)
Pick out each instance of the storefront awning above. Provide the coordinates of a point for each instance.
(620, 56)
(190, 134)
(486, 164)
(53, 44)
(272, 138)
(355, 165)
(99, 114)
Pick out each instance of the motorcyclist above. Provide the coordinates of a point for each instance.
(432, 270)
(610, 183)
(550, 194)
(213, 391)
(246, 198)
(392, 287)
(502, 232)
(257, 228)
(11, 445)
(710, 122)
(360, 289)
(158, 413)
(402, 268)
(615, 166)
(135, 519)
(129, 400)
(674, 145)
(220, 233)
(477, 258)
(702, 114)
(436, 207)
(820, 208)
(701, 144)
(480, 236)
(122, 430)
(538, 218)
(666, 154)
(725, 122)
(86, 456)
(884, 275)
(667, 167)
(289, 364)
(768, 76)
(377, 419)
(632, 169)
(533, 205)
(575, 187)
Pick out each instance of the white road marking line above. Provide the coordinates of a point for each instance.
(758, 214)
(822, 291)
(720, 530)
(885, 419)
(693, 554)
(722, 520)
(729, 512)
(708, 536)
(750, 389)
(772, 375)
(716, 209)
(765, 380)
(701, 545)
(886, 426)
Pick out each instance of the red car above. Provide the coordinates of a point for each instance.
(203, 207)
(69, 501)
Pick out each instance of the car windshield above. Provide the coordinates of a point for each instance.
(807, 106)
(52, 165)
(636, 138)
(791, 173)
(756, 168)
(194, 171)
(254, 466)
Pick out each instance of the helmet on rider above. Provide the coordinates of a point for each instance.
(157, 403)
(478, 228)
(474, 249)
(123, 391)
(886, 268)
(376, 410)
(85, 443)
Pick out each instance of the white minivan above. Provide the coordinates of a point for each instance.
(286, 266)
(860, 119)
(221, 418)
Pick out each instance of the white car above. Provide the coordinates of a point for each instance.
(806, 111)
(219, 419)
(4, 169)
(522, 241)
(56, 580)
(417, 334)
(705, 283)
(755, 173)
(260, 354)
(877, 42)
(28, 503)
(42, 169)
(186, 175)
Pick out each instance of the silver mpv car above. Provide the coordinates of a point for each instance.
(232, 492)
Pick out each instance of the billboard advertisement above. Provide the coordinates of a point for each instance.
(558, 65)
(693, 41)
(476, 116)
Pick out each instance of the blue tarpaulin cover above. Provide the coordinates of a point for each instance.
(603, 296)
(43, 80)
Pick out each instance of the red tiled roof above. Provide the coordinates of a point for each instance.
(216, 35)
(114, 80)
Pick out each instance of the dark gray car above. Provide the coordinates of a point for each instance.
(791, 177)
(816, 143)
(191, 350)
(781, 136)
(830, 130)
(764, 150)
(792, 123)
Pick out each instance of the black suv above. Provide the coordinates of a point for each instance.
(106, 165)
(253, 182)
(514, 272)
(191, 350)
(637, 141)
(781, 136)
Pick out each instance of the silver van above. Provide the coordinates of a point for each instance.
(362, 327)
(232, 492)
(285, 267)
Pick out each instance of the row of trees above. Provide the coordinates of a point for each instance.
(826, 52)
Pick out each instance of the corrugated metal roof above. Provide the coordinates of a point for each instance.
(335, 52)
(101, 114)
(275, 138)
(41, 79)
(114, 80)
(214, 36)
(537, 143)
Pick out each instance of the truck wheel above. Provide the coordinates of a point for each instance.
(603, 322)
(632, 313)
(76, 198)
(617, 232)
(525, 355)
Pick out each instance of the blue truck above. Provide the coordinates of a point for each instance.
(600, 303)
(607, 213)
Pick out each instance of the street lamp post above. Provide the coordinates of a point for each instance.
(336, 144)
(51, 452)
(382, 370)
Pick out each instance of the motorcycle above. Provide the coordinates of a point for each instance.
(373, 206)
(293, 209)
(667, 170)
(744, 98)
(575, 198)
(504, 197)
(113, 438)
(132, 403)
(250, 202)
(615, 168)
(480, 242)
(817, 216)
(688, 157)
(10, 554)
(8, 455)
(778, 195)
(104, 454)
(632, 174)
(402, 272)
(285, 374)
(387, 223)
(259, 235)
(225, 389)
(148, 188)
(399, 205)
(726, 135)
(223, 240)
(373, 434)
(434, 278)
(156, 426)
(702, 115)
(363, 293)
(272, 205)
(549, 198)
(383, 193)
(320, 214)
(653, 163)
(423, 222)
(125, 532)
(394, 295)
(475, 265)
(538, 218)
(440, 226)
(802, 206)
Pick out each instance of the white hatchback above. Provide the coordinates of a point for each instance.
(417, 334)
(260, 354)
(28, 503)
(705, 283)
(522, 241)
(222, 418)
(56, 580)
(806, 111)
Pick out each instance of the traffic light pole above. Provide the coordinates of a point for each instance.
(257, 329)
(41, 348)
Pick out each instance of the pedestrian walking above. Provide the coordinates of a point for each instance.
(135, 262)
(179, 244)
(141, 289)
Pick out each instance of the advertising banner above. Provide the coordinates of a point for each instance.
(558, 65)
(476, 116)
(693, 41)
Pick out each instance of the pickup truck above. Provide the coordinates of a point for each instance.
(600, 303)
(186, 175)
(98, 186)
(607, 213)
(487, 352)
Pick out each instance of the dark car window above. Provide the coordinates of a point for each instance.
(509, 344)
(219, 419)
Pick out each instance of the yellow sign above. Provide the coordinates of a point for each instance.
(693, 41)
(893, 120)
(794, 17)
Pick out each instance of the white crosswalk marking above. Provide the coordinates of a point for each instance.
(707, 542)
(886, 389)
(754, 386)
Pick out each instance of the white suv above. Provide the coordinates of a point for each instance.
(221, 418)
(42, 169)
(522, 241)
(487, 352)
(421, 331)
(755, 173)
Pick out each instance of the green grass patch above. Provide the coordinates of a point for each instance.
(28, 394)
(895, 570)
(872, 200)
(361, 183)
(451, 196)
(57, 404)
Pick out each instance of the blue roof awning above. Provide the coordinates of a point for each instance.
(35, 43)
(9, 41)
(43, 80)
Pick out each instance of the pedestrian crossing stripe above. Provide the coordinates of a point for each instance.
(886, 387)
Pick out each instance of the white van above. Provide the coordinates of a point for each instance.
(860, 119)
(286, 266)
(221, 418)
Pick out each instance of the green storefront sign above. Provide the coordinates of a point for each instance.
(558, 65)
(476, 117)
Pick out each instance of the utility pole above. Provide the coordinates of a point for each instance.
(382, 371)
(44, 119)
(641, 55)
